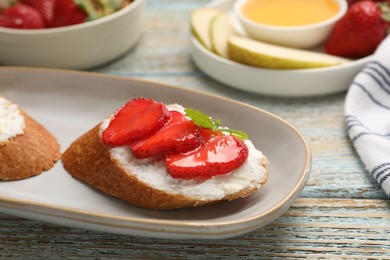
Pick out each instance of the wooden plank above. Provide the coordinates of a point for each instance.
(316, 228)
(341, 213)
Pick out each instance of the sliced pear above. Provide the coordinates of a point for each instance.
(200, 21)
(260, 54)
(221, 29)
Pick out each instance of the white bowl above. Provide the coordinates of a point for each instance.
(295, 36)
(80, 46)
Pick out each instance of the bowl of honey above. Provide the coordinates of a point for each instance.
(298, 24)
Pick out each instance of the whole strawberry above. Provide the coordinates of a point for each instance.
(360, 31)
(67, 12)
(351, 2)
(21, 16)
(44, 7)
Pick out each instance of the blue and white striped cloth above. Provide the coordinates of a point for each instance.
(367, 115)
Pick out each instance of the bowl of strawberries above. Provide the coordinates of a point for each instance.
(67, 34)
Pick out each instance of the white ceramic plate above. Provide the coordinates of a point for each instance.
(288, 83)
(70, 103)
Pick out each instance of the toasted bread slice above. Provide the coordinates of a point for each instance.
(91, 161)
(29, 153)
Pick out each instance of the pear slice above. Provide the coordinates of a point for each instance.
(260, 54)
(200, 21)
(221, 29)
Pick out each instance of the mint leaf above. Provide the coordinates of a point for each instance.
(217, 124)
(199, 118)
(205, 121)
(237, 133)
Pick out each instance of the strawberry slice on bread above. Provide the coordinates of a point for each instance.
(147, 117)
(187, 161)
(179, 135)
(219, 155)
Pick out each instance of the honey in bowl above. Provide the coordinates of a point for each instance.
(288, 13)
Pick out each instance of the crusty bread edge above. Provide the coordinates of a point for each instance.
(88, 159)
(28, 154)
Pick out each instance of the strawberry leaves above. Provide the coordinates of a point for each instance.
(205, 121)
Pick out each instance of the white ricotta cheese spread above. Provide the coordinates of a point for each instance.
(155, 173)
(11, 121)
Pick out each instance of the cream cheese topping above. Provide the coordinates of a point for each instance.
(250, 175)
(11, 120)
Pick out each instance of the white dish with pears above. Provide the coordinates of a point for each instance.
(274, 82)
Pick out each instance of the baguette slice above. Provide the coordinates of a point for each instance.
(28, 154)
(91, 161)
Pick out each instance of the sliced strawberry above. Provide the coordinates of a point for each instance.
(179, 135)
(67, 12)
(208, 133)
(219, 155)
(44, 7)
(137, 119)
(21, 16)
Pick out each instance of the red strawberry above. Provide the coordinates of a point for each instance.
(351, 2)
(137, 119)
(179, 135)
(359, 32)
(67, 12)
(219, 155)
(44, 7)
(21, 16)
(208, 133)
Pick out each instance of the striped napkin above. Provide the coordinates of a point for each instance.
(367, 115)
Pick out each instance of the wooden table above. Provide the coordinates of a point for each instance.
(342, 213)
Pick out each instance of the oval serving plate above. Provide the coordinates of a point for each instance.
(70, 103)
(282, 83)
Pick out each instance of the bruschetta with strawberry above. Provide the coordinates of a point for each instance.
(164, 157)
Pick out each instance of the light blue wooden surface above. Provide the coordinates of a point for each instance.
(340, 214)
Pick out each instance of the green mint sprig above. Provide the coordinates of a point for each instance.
(205, 121)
